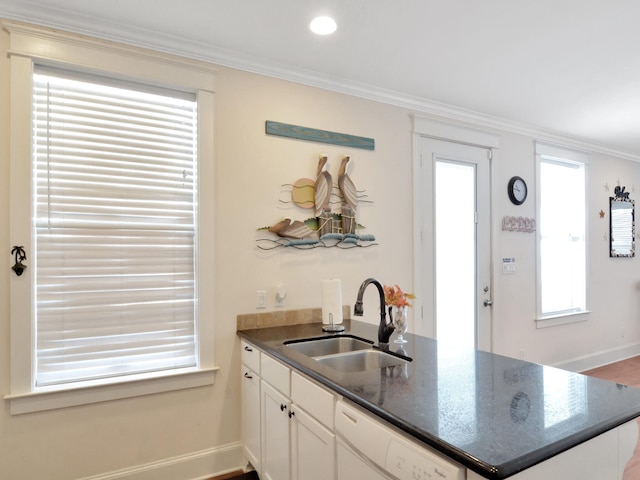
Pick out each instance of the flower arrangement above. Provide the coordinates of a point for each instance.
(394, 296)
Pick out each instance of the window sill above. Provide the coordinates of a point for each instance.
(93, 392)
(562, 319)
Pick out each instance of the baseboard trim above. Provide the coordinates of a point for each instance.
(598, 359)
(193, 466)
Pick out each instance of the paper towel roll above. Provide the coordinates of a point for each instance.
(331, 301)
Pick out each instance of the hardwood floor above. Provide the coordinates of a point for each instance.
(239, 475)
(625, 372)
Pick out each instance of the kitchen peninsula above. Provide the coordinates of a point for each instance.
(497, 416)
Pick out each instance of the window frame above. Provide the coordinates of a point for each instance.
(29, 46)
(560, 155)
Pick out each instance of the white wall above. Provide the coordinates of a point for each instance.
(252, 166)
(86, 441)
(612, 330)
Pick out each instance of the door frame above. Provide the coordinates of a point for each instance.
(437, 129)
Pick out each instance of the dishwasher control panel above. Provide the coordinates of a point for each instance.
(406, 461)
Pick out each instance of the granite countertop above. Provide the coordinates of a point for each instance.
(494, 414)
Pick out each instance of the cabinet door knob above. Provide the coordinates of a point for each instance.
(247, 375)
(291, 414)
(283, 407)
(248, 349)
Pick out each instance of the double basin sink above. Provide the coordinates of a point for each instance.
(346, 353)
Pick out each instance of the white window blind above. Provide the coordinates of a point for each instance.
(115, 228)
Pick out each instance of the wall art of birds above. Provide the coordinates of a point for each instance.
(345, 184)
(349, 195)
(324, 183)
(292, 229)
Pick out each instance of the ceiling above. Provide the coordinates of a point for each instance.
(569, 67)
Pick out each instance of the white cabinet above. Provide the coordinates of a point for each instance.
(250, 404)
(276, 439)
(313, 448)
(250, 394)
(287, 421)
(312, 438)
(275, 425)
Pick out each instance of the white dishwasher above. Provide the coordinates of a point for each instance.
(369, 449)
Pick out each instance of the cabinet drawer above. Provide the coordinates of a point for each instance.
(250, 356)
(314, 399)
(275, 373)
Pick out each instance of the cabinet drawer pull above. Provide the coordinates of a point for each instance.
(248, 349)
(283, 407)
(247, 375)
(291, 414)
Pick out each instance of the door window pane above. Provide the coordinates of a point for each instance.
(455, 253)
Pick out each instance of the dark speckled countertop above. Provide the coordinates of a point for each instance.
(496, 415)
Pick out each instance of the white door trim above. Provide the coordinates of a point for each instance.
(439, 130)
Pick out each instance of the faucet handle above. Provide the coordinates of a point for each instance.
(358, 309)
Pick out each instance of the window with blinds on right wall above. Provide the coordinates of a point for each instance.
(561, 235)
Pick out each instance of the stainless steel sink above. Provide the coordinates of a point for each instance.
(319, 347)
(361, 360)
(346, 353)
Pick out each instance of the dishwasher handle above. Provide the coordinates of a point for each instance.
(364, 434)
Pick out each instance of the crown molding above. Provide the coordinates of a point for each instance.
(108, 46)
(86, 25)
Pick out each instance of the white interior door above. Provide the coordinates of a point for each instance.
(454, 260)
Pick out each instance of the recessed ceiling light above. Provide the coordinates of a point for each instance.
(323, 25)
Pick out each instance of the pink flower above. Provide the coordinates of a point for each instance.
(394, 296)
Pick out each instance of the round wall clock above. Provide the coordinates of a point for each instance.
(517, 190)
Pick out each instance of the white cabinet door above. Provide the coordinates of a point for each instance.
(276, 444)
(250, 409)
(313, 448)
